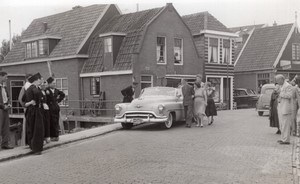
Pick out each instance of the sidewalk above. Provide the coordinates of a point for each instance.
(63, 139)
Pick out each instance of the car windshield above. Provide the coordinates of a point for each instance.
(158, 92)
(250, 92)
(269, 91)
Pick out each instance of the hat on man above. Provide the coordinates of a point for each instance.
(34, 77)
(50, 80)
(2, 73)
(135, 83)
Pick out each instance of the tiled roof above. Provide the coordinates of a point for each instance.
(203, 21)
(72, 26)
(246, 28)
(133, 25)
(263, 48)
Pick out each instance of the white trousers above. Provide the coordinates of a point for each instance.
(285, 123)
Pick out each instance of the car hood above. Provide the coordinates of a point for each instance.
(148, 103)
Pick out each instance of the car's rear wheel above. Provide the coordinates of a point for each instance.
(168, 124)
(127, 126)
(260, 113)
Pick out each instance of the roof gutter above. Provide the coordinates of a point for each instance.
(106, 73)
(217, 33)
(44, 60)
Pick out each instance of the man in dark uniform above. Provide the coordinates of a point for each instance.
(188, 102)
(4, 117)
(128, 93)
(54, 97)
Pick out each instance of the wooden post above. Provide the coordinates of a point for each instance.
(61, 125)
(23, 132)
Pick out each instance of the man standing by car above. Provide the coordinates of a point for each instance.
(188, 95)
(284, 108)
(128, 93)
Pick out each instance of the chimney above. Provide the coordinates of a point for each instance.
(76, 7)
(245, 37)
(45, 26)
(275, 23)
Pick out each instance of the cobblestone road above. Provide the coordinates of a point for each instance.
(239, 148)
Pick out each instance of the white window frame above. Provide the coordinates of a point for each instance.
(218, 50)
(63, 102)
(223, 50)
(222, 86)
(107, 47)
(181, 51)
(296, 55)
(147, 82)
(93, 84)
(165, 51)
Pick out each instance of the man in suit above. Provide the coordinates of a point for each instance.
(4, 117)
(128, 92)
(294, 106)
(188, 101)
(54, 97)
(284, 108)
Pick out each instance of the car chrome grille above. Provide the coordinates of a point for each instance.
(139, 115)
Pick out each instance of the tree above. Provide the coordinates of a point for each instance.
(4, 49)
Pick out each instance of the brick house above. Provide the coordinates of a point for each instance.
(56, 44)
(268, 51)
(153, 47)
(215, 45)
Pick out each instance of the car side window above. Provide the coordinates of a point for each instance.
(242, 93)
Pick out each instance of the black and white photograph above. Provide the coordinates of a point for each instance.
(150, 92)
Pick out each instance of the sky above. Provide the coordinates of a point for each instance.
(231, 13)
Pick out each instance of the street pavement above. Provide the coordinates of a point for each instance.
(239, 148)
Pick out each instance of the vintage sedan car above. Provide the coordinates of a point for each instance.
(244, 98)
(263, 103)
(154, 105)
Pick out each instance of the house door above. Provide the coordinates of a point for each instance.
(15, 87)
(227, 91)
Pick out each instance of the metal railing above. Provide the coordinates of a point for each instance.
(93, 108)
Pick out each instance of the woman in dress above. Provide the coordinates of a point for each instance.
(34, 115)
(46, 112)
(210, 110)
(200, 102)
(273, 117)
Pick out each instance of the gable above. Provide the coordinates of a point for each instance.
(263, 48)
(72, 27)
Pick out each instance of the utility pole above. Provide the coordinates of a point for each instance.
(10, 40)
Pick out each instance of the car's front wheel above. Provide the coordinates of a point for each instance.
(127, 126)
(168, 124)
(260, 113)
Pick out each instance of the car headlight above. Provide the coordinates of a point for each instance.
(118, 109)
(161, 108)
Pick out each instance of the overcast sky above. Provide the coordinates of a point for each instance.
(230, 12)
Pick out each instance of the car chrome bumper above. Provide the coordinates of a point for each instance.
(141, 120)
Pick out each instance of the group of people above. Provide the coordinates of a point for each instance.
(40, 100)
(284, 105)
(198, 102)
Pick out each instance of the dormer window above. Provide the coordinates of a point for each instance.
(296, 51)
(31, 50)
(108, 45)
(40, 46)
(43, 47)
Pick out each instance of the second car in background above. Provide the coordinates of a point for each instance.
(245, 98)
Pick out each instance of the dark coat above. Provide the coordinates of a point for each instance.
(34, 119)
(273, 117)
(53, 99)
(127, 94)
(187, 93)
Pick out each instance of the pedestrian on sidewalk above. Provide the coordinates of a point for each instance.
(295, 107)
(211, 109)
(34, 115)
(200, 103)
(4, 115)
(188, 102)
(46, 112)
(284, 108)
(22, 101)
(54, 97)
(273, 117)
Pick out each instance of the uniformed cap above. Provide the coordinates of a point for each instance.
(135, 83)
(50, 80)
(2, 73)
(34, 77)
